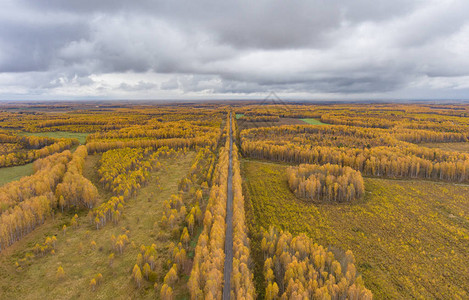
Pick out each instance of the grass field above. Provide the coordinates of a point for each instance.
(243, 124)
(313, 121)
(410, 238)
(81, 137)
(38, 281)
(15, 173)
(459, 147)
(239, 116)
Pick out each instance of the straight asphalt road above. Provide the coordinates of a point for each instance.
(229, 223)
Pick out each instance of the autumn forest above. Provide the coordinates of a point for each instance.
(234, 200)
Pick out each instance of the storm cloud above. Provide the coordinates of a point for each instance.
(315, 49)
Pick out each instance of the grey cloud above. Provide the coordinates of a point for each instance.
(26, 46)
(376, 10)
(260, 24)
(234, 47)
(171, 84)
(433, 23)
(141, 85)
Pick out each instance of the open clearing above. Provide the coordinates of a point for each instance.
(75, 254)
(81, 137)
(410, 238)
(15, 173)
(243, 124)
(460, 147)
(313, 121)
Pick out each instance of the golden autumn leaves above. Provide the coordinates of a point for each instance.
(298, 268)
(358, 148)
(328, 182)
(31, 148)
(28, 202)
(206, 279)
(242, 285)
(76, 190)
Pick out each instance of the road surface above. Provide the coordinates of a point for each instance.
(229, 223)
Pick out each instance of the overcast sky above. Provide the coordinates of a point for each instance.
(315, 49)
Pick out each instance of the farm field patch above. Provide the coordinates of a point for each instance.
(312, 121)
(282, 121)
(459, 146)
(9, 174)
(81, 137)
